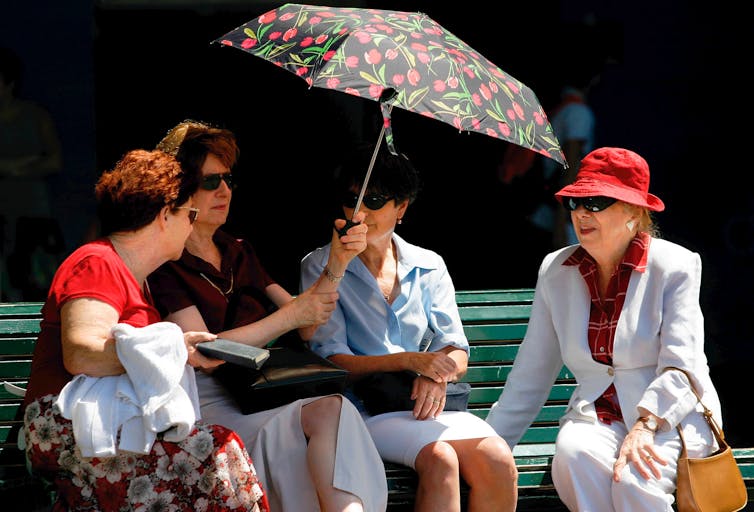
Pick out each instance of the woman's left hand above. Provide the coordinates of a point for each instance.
(429, 397)
(639, 448)
(195, 358)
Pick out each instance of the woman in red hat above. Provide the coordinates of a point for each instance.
(617, 309)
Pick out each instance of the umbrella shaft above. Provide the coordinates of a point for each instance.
(369, 170)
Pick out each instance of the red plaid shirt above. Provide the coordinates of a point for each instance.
(604, 313)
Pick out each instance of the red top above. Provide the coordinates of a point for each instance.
(93, 271)
(604, 314)
(228, 298)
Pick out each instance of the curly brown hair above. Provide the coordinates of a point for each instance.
(191, 141)
(131, 195)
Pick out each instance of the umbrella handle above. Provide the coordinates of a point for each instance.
(349, 224)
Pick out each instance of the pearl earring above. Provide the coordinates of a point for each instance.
(630, 225)
(400, 221)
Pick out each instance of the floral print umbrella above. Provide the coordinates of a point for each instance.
(402, 59)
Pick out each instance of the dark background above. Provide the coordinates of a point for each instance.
(117, 74)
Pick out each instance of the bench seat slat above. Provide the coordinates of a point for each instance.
(17, 346)
(8, 411)
(12, 309)
(14, 369)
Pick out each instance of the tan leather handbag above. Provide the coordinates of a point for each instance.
(713, 483)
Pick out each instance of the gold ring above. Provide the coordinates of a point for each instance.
(435, 400)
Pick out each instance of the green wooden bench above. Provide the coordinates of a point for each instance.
(494, 321)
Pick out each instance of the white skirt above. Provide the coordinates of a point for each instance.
(276, 443)
(399, 436)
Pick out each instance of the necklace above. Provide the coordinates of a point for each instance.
(223, 293)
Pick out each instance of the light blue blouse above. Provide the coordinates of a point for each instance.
(363, 323)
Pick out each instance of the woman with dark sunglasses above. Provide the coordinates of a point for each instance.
(617, 310)
(312, 454)
(396, 312)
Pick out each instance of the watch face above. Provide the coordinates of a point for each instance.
(651, 423)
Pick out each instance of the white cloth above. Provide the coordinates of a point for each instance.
(156, 394)
(277, 445)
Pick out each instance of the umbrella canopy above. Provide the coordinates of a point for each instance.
(402, 59)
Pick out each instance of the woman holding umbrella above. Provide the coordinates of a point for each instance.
(314, 453)
(621, 311)
(396, 312)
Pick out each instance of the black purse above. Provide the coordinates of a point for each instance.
(391, 391)
(292, 371)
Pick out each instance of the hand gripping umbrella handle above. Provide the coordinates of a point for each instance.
(386, 110)
(349, 222)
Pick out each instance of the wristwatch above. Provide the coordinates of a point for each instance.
(650, 423)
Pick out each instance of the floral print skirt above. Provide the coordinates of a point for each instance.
(209, 471)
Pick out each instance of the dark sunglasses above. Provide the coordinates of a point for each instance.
(593, 203)
(212, 181)
(371, 201)
(193, 213)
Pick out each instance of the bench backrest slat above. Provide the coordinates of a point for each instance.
(15, 369)
(495, 313)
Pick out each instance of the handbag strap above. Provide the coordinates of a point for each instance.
(717, 431)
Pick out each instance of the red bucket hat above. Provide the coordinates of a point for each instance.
(613, 172)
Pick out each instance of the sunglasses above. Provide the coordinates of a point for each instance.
(371, 201)
(192, 214)
(593, 203)
(212, 181)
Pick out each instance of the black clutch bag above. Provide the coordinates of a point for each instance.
(291, 372)
(391, 391)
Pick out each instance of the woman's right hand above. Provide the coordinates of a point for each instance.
(638, 448)
(347, 247)
(436, 366)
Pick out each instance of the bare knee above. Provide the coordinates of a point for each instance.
(438, 457)
(489, 462)
(320, 414)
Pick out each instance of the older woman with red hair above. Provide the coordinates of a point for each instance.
(111, 408)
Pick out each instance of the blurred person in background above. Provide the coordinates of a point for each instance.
(32, 242)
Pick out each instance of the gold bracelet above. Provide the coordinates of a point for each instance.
(332, 277)
(644, 429)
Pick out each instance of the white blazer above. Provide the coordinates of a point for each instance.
(661, 325)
